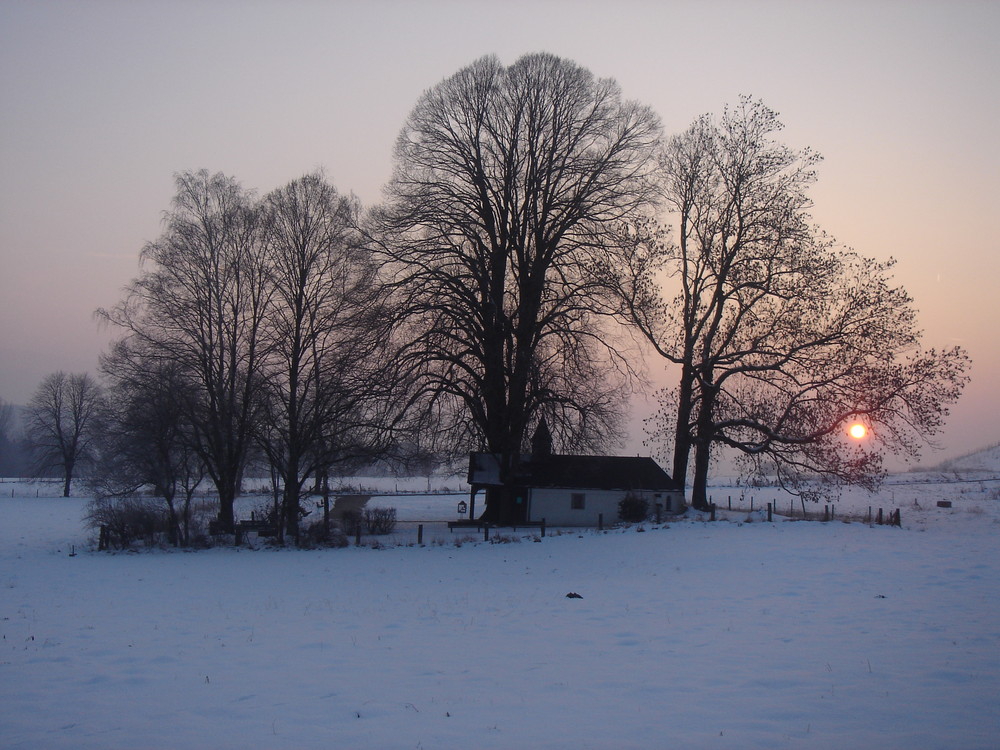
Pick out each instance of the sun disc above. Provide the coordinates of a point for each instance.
(858, 431)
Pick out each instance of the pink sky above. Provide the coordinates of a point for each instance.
(103, 101)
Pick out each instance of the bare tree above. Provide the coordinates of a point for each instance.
(148, 440)
(779, 336)
(200, 304)
(61, 421)
(322, 337)
(508, 185)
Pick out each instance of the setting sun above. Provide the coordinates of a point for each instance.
(857, 431)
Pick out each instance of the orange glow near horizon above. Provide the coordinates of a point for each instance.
(857, 431)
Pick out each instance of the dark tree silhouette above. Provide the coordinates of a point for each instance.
(322, 337)
(779, 336)
(509, 183)
(200, 304)
(147, 439)
(62, 422)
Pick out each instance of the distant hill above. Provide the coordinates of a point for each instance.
(985, 459)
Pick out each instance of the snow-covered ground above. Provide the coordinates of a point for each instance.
(688, 634)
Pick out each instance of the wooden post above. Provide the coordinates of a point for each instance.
(420, 534)
(826, 513)
(600, 522)
(879, 517)
(769, 519)
(486, 532)
(543, 528)
(730, 502)
(711, 511)
(751, 503)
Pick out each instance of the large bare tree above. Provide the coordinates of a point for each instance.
(324, 338)
(780, 337)
(62, 422)
(508, 186)
(200, 303)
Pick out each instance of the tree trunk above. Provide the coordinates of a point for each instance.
(227, 497)
(699, 487)
(682, 428)
(703, 447)
(290, 502)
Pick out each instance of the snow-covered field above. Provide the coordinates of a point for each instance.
(688, 634)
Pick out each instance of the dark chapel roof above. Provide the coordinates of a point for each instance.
(595, 472)
(581, 472)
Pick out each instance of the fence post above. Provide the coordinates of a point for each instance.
(600, 522)
(879, 517)
(711, 512)
(486, 532)
(420, 533)
(730, 502)
(543, 528)
(769, 513)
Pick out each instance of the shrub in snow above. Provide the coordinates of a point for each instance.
(317, 535)
(632, 509)
(380, 520)
(351, 521)
(505, 539)
(125, 520)
(202, 512)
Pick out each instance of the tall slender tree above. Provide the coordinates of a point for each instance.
(200, 303)
(323, 337)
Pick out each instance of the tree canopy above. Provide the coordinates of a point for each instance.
(508, 186)
(780, 336)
